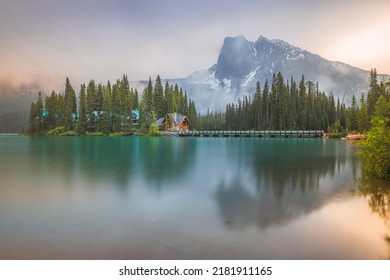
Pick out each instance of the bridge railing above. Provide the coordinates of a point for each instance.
(252, 133)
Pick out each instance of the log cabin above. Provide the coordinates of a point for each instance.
(173, 122)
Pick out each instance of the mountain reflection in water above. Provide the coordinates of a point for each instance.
(291, 180)
(188, 198)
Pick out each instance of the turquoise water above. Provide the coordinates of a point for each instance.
(187, 198)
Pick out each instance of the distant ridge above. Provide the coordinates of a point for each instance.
(241, 63)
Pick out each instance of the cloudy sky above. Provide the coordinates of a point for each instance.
(44, 41)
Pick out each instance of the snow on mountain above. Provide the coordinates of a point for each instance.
(250, 77)
(241, 63)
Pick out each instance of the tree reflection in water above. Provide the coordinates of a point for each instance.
(377, 194)
(112, 159)
(289, 179)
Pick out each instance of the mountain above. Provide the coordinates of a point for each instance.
(241, 63)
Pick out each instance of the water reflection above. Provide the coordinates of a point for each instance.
(296, 165)
(165, 160)
(216, 198)
(290, 180)
(94, 159)
(377, 194)
(237, 206)
(111, 159)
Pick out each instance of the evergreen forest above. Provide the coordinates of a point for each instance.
(106, 109)
(291, 105)
(278, 105)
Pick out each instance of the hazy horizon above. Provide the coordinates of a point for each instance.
(43, 42)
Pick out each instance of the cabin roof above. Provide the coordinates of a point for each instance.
(160, 121)
(176, 118)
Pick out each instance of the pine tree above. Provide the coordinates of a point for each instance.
(39, 119)
(60, 110)
(91, 89)
(166, 98)
(136, 100)
(148, 115)
(82, 115)
(192, 114)
(51, 109)
(181, 102)
(302, 105)
(353, 115)
(274, 122)
(363, 118)
(116, 107)
(373, 92)
(98, 106)
(148, 97)
(282, 106)
(125, 104)
(343, 116)
(186, 104)
(257, 107)
(293, 105)
(159, 98)
(310, 106)
(265, 107)
(176, 98)
(106, 123)
(171, 104)
(70, 106)
(331, 109)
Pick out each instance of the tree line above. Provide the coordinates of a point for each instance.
(279, 105)
(289, 105)
(106, 109)
(158, 100)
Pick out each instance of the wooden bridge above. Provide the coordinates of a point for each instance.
(255, 133)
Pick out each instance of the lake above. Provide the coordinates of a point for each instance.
(188, 198)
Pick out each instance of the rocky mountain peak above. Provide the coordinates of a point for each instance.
(241, 63)
(235, 58)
